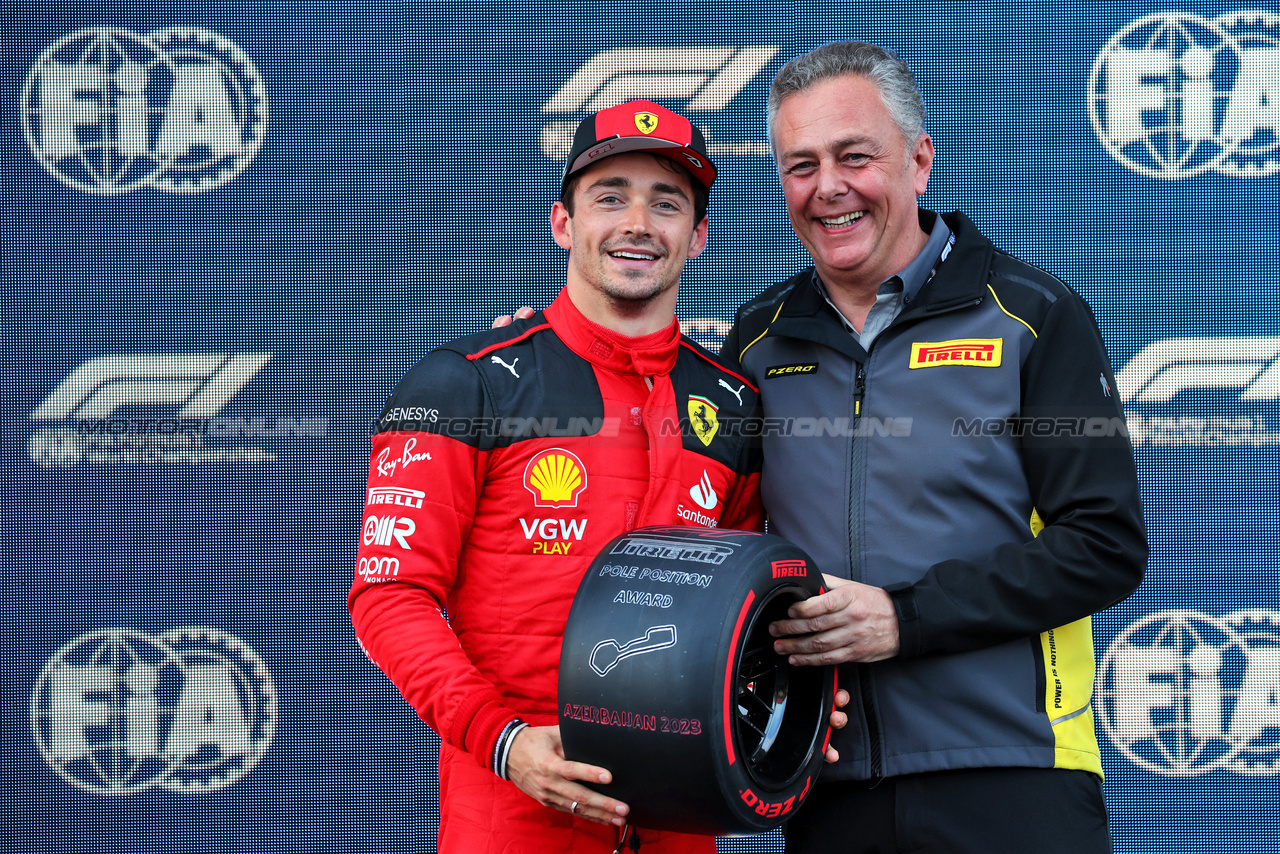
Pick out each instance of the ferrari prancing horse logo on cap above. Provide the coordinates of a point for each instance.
(646, 123)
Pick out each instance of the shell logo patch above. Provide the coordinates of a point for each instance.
(556, 478)
(702, 418)
(970, 352)
(646, 123)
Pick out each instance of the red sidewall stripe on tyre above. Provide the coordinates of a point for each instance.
(729, 673)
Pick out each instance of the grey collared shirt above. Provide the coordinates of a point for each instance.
(895, 291)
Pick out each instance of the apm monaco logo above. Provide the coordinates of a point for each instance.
(156, 408)
(556, 478)
(705, 79)
(1174, 94)
(106, 110)
(1182, 693)
(119, 711)
(1165, 387)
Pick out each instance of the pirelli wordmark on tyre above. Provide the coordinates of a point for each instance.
(668, 678)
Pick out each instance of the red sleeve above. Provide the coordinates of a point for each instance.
(420, 504)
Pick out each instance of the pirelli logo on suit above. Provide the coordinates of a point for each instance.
(968, 352)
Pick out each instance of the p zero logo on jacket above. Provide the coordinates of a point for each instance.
(973, 352)
(556, 478)
(702, 417)
(787, 370)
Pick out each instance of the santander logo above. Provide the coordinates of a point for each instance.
(703, 495)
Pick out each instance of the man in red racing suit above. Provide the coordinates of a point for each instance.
(504, 461)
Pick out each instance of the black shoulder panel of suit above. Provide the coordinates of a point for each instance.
(1025, 291)
(755, 316)
(498, 387)
(718, 409)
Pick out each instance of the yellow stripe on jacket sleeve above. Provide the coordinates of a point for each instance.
(1069, 669)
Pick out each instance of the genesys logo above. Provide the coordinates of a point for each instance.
(119, 711)
(1182, 693)
(702, 79)
(157, 408)
(1165, 387)
(1174, 94)
(106, 110)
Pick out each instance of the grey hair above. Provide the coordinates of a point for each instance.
(891, 76)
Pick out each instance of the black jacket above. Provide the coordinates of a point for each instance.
(976, 464)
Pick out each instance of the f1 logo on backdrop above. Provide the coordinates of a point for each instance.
(1246, 368)
(705, 79)
(1181, 693)
(118, 711)
(199, 383)
(1174, 94)
(106, 110)
(157, 408)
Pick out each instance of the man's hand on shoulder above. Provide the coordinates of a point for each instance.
(537, 765)
(851, 622)
(523, 313)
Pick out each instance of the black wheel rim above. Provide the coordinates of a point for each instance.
(778, 708)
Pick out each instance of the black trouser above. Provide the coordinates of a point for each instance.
(979, 810)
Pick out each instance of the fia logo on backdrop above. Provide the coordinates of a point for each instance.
(119, 711)
(1173, 94)
(1182, 693)
(106, 110)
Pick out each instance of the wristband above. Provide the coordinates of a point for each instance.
(503, 748)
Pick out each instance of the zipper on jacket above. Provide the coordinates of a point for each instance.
(873, 723)
(857, 461)
(855, 564)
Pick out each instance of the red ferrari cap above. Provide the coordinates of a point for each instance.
(640, 126)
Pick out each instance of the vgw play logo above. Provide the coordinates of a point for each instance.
(1173, 95)
(106, 110)
(118, 711)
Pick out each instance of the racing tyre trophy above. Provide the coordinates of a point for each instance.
(668, 678)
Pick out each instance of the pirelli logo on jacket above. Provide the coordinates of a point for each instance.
(970, 352)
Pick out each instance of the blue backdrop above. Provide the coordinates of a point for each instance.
(230, 227)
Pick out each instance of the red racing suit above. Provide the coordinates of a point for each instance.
(502, 464)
